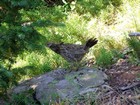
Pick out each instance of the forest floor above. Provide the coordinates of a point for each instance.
(124, 82)
(123, 85)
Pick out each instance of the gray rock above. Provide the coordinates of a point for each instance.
(61, 85)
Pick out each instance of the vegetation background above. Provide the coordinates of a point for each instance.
(26, 25)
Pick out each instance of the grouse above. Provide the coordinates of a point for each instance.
(72, 52)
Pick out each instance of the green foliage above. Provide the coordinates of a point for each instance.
(39, 63)
(16, 36)
(16, 39)
(25, 98)
(57, 2)
(9, 11)
(20, 22)
(95, 6)
(134, 43)
(105, 58)
(74, 31)
(6, 79)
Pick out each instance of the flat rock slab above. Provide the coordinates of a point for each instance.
(59, 84)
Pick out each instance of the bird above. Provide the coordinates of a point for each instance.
(72, 52)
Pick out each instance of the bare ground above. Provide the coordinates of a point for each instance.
(124, 82)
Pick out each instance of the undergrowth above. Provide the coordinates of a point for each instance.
(110, 25)
(134, 43)
(109, 21)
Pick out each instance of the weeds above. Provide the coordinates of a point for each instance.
(134, 43)
(105, 58)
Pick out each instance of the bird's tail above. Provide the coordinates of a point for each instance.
(91, 42)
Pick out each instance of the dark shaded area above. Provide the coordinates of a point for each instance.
(57, 2)
(35, 99)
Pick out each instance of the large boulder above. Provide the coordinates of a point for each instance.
(62, 85)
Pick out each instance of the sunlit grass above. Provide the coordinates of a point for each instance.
(111, 27)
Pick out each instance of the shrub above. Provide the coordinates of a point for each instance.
(104, 58)
(134, 43)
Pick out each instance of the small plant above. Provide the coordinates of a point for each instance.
(134, 43)
(104, 58)
(25, 98)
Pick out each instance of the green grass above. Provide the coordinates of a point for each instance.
(134, 43)
(110, 22)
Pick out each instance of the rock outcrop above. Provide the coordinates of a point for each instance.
(62, 85)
